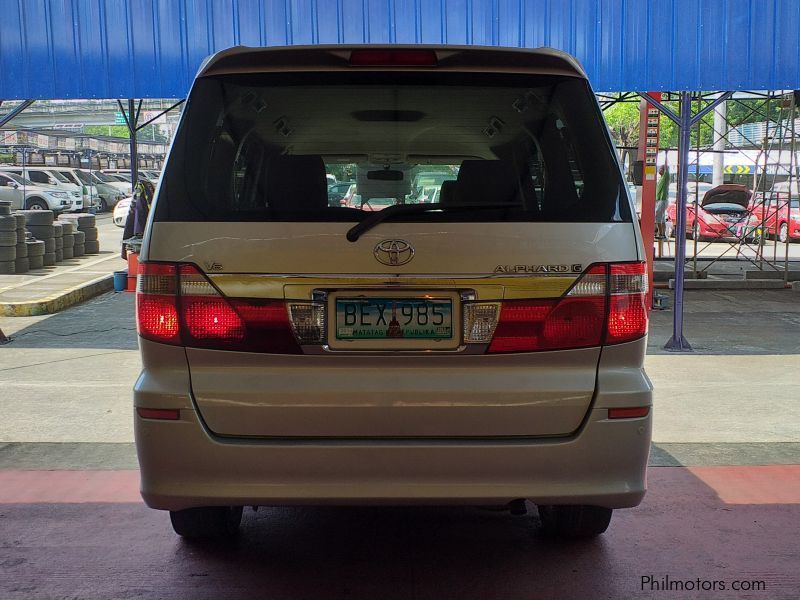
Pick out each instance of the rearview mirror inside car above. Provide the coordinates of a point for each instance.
(385, 175)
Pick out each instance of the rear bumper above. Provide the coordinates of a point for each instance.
(183, 465)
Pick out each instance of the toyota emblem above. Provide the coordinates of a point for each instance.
(394, 252)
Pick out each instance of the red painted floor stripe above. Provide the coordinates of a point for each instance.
(765, 484)
(58, 487)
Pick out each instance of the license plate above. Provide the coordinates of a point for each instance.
(394, 318)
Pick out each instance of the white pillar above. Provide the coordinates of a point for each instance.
(720, 131)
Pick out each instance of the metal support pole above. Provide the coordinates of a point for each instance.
(720, 134)
(678, 343)
(18, 109)
(132, 120)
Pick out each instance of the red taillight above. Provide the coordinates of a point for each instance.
(533, 325)
(627, 314)
(177, 304)
(393, 58)
(607, 305)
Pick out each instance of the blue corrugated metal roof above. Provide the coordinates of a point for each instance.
(152, 48)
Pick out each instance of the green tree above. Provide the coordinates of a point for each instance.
(146, 134)
(623, 121)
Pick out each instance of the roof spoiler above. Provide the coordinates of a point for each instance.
(475, 59)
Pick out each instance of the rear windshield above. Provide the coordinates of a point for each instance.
(260, 147)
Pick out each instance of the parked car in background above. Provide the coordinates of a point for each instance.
(121, 210)
(104, 196)
(90, 196)
(40, 197)
(150, 175)
(338, 191)
(721, 214)
(11, 191)
(123, 186)
(49, 178)
(120, 177)
(778, 213)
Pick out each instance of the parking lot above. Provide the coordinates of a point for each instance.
(722, 505)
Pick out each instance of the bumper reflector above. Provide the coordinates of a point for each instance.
(164, 414)
(628, 413)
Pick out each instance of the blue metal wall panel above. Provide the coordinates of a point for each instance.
(152, 48)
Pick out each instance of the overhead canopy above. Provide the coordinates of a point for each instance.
(152, 48)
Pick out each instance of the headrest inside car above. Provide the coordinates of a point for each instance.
(296, 182)
(487, 182)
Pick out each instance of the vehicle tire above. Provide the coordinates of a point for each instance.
(21, 265)
(68, 252)
(208, 522)
(9, 238)
(8, 223)
(59, 243)
(38, 217)
(8, 253)
(59, 255)
(90, 234)
(36, 204)
(49, 245)
(57, 230)
(91, 247)
(68, 240)
(78, 250)
(574, 521)
(21, 221)
(49, 259)
(5, 209)
(80, 237)
(67, 227)
(35, 262)
(41, 232)
(35, 248)
(102, 206)
(7, 267)
(783, 233)
(22, 250)
(81, 220)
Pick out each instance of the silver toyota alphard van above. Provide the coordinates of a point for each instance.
(482, 348)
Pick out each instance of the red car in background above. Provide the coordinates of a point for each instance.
(778, 213)
(723, 213)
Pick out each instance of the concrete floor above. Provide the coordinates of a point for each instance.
(723, 503)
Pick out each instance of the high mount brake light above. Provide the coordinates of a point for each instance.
(177, 304)
(606, 305)
(393, 58)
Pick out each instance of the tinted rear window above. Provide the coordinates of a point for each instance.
(258, 147)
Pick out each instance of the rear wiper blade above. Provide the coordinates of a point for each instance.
(404, 209)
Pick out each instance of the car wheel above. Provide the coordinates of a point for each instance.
(36, 204)
(103, 206)
(783, 233)
(208, 522)
(574, 521)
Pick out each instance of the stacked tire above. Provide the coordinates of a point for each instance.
(86, 241)
(22, 263)
(8, 240)
(68, 239)
(39, 224)
(35, 251)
